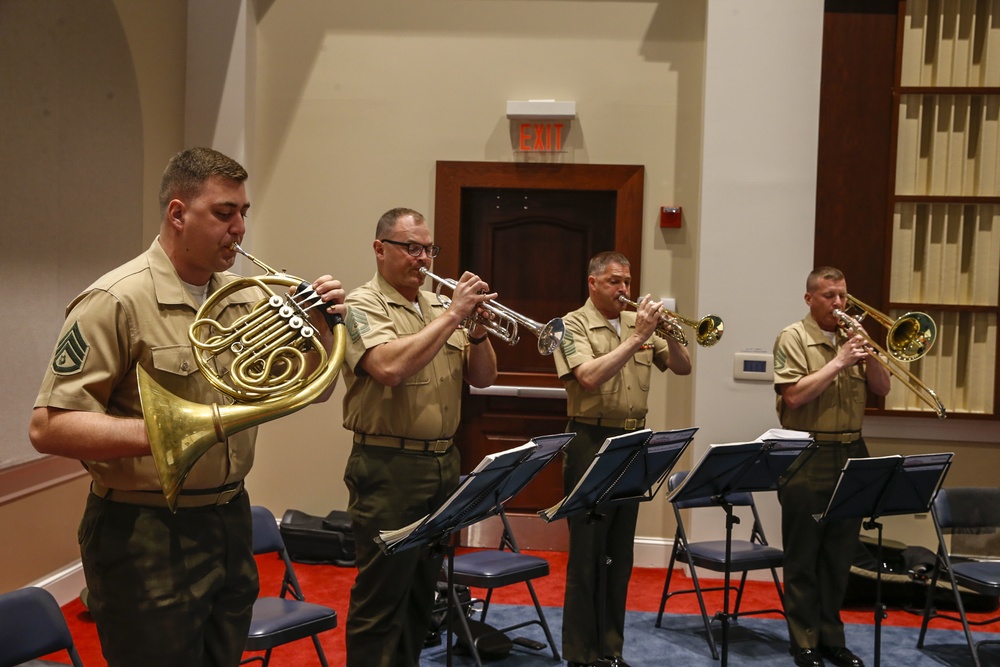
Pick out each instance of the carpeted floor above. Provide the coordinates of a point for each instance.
(753, 641)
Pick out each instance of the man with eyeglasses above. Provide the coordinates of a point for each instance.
(405, 363)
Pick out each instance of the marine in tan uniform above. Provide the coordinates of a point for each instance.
(165, 589)
(822, 379)
(407, 357)
(606, 361)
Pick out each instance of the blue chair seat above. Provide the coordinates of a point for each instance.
(981, 576)
(745, 555)
(278, 621)
(493, 568)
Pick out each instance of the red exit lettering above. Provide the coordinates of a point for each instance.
(541, 137)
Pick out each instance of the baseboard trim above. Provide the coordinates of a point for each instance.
(652, 552)
(64, 584)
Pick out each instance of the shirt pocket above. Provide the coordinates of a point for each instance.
(857, 385)
(173, 368)
(643, 367)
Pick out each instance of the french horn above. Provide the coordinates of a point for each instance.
(266, 373)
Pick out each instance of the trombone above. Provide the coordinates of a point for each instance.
(909, 338)
(708, 330)
(505, 322)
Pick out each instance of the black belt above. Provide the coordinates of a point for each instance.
(841, 437)
(409, 444)
(625, 424)
(192, 498)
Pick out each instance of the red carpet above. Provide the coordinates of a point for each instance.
(331, 585)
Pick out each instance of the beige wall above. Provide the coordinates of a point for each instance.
(93, 179)
(356, 102)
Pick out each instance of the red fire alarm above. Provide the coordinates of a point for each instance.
(670, 216)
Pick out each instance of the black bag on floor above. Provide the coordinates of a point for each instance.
(315, 539)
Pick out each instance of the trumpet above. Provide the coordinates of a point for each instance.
(505, 322)
(909, 338)
(265, 352)
(708, 330)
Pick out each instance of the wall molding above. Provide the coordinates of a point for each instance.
(26, 478)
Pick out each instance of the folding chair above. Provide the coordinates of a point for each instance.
(746, 555)
(495, 568)
(971, 516)
(280, 620)
(32, 625)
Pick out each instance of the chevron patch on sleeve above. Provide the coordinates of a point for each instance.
(779, 359)
(71, 352)
(357, 323)
(568, 344)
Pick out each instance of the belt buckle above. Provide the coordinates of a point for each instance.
(438, 446)
(631, 424)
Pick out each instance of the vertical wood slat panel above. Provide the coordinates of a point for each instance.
(946, 254)
(959, 368)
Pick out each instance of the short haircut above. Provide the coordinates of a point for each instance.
(187, 172)
(599, 262)
(822, 273)
(388, 220)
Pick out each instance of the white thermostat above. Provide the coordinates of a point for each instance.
(753, 366)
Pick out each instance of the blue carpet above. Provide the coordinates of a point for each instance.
(752, 641)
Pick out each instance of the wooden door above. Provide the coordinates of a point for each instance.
(529, 231)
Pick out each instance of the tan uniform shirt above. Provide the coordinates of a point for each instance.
(801, 349)
(588, 336)
(425, 406)
(137, 314)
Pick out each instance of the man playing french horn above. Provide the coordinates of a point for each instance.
(406, 360)
(165, 588)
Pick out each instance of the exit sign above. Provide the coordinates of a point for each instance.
(540, 137)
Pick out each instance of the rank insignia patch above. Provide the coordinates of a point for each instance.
(779, 359)
(568, 345)
(357, 324)
(71, 352)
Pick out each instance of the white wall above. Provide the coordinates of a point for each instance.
(759, 199)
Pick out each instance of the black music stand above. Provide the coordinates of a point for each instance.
(476, 498)
(761, 465)
(885, 486)
(547, 446)
(627, 468)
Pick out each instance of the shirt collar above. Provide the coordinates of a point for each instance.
(815, 333)
(171, 291)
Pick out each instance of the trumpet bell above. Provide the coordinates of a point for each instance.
(911, 337)
(710, 330)
(550, 336)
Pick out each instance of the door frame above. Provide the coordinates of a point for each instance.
(627, 181)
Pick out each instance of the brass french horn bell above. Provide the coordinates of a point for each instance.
(265, 352)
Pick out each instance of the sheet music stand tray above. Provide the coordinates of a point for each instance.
(628, 468)
(885, 486)
(761, 465)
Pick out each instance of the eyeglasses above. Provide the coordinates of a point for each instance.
(414, 249)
